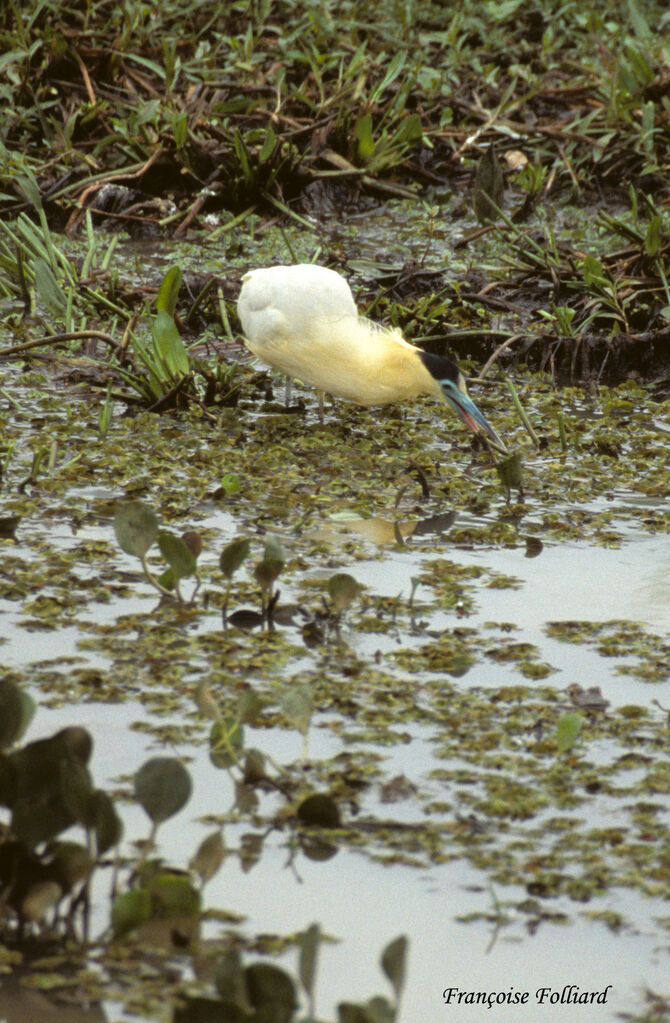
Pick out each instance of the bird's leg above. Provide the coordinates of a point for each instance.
(287, 392)
(320, 396)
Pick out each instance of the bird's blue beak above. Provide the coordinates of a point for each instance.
(463, 404)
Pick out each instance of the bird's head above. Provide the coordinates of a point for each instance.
(452, 388)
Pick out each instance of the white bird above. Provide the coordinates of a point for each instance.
(303, 321)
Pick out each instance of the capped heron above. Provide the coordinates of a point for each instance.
(303, 321)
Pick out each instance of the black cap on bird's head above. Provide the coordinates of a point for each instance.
(453, 389)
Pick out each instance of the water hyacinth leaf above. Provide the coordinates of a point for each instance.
(167, 580)
(298, 705)
(233, 556)
(162, 786)
(76, 787)
(347, 1012)
(39, 819)
(249, 707)
(7, 781)
(198, 1009)
(40, 899)
(567, 731)
(509, 470)
(319, 810)
(394, 960)
(209, 856)
(71, 863)
(48, 287)
(193, 541)
(173, 895)
(230, 484)
(177, 554)
(229, 977)
(169, 346)
(226, 738)
(246, 618)
(343, 590)
(8, 526)
(377, 1010)
(16, 712)
(168, 291)
(267, 570)
(254, 767)
(136, 527)
(206, 702)
(271, 992)
(130, 910)
(246, 802)
(309, 951)
(105, 821)
(534, 546)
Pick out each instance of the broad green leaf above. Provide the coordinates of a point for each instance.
(510, 470)
(249, 707)
(209, 856)
(349, 1012)
(179, 557)
(230, 484)
(71, 864)
(267, 570)
(229, 977)
(343, 590)
(271, 992)
(198, 1009)
(136, 527)
(40, 900)
(76, 787)
(233, 555)
(567, 731)
(16, 711)
(254, 767)
(298, 705)
(309, 951)
(167, 580)
(105, 821)
(173, 895)
(130, 910)
(226, 738)
(319, 810)
(162, 787)
(393, 962)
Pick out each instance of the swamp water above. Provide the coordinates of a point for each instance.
(436, 694)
